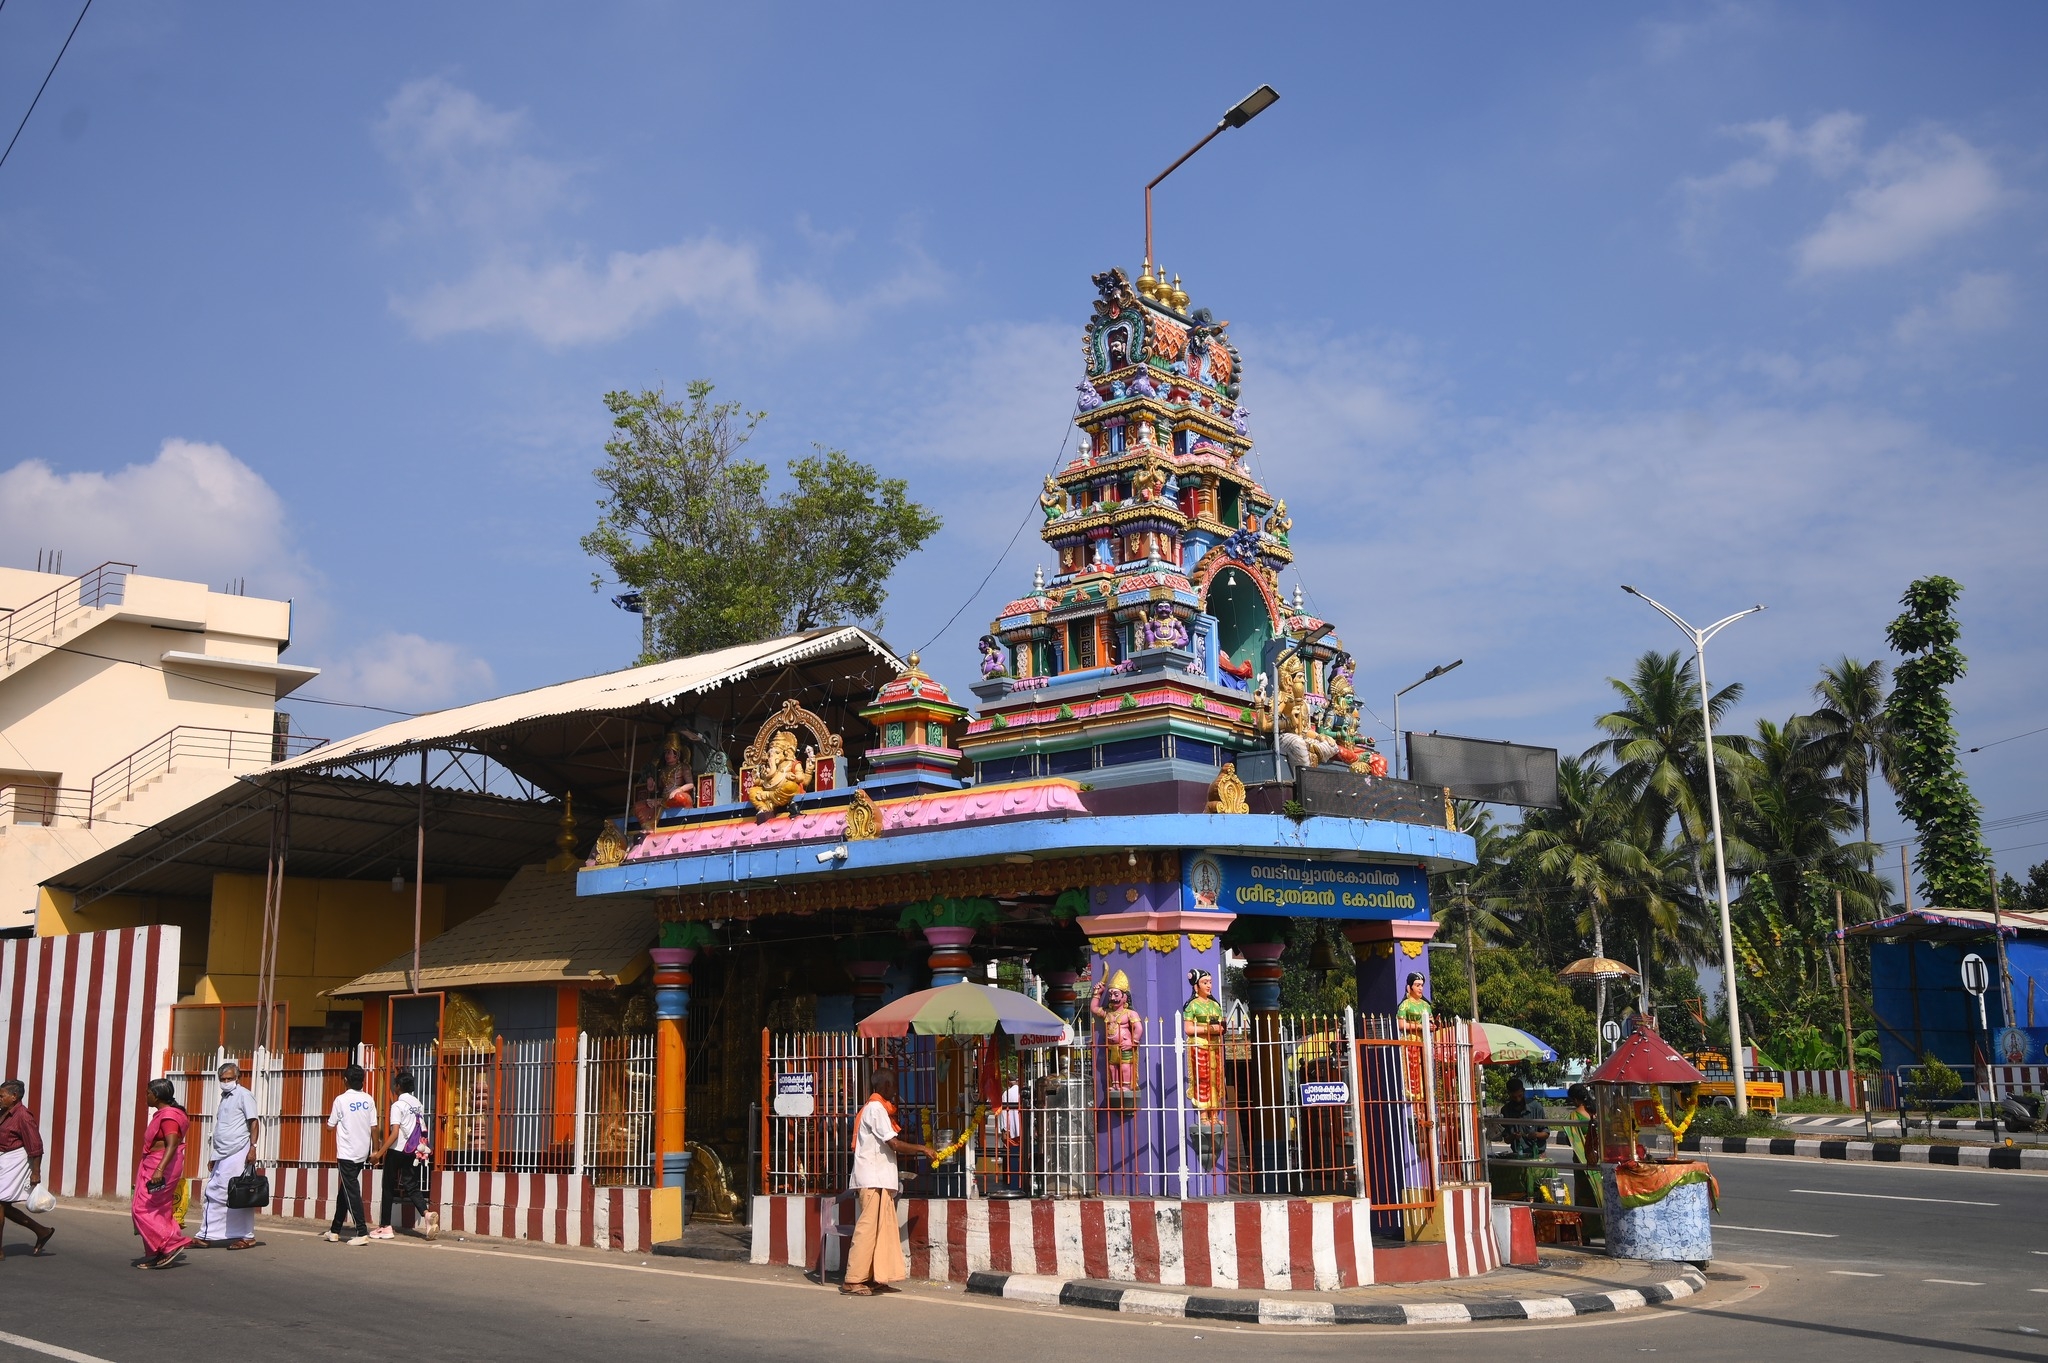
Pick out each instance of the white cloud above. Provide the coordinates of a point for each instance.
(194, 512)
(1903, 198)
(1833, 373)
(570, 302)
(1979, 302)
(468, 172)
(1917, 191)
(408, 672)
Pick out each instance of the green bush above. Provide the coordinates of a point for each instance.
(1934, 1082)
(1813, 1102)
(1722, 1121)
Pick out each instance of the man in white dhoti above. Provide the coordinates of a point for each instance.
(21, 1161)
(235, 1127)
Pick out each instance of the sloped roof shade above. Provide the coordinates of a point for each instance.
(1950, 925)
(1643, 1057)
(538, 932)
(567, 735)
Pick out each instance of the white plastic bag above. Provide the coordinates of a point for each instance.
(41, 1199)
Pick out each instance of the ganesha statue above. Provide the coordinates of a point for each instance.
(774, 771)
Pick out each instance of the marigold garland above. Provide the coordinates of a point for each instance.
(946, 1152)
(1692, 1108)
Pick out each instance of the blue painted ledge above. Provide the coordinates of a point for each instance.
(1233, 834)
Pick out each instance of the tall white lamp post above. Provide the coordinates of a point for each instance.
(1699, 639)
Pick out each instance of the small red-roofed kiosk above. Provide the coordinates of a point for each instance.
(1654, 1207)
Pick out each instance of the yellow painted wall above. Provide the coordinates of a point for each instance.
(55, 917)
(331, 931)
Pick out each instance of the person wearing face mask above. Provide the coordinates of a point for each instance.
(235, 1129)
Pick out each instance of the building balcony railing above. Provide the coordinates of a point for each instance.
(41, 806)
(192, 745)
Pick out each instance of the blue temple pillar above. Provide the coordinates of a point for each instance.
(1159, 1123)
(1390, 1077)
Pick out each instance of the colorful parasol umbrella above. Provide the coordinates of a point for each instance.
(967, 1010)
(1596, 968)
(1496, 1043)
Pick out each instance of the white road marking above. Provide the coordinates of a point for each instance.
(1894, 1197)
(1766, 1230)
(1852, 1273)
(53, 1350)
(1951, 1282)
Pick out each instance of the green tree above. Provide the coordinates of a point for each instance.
(2032, 895)
(1596, 850)
(689, 523)
(1791, 822)
(1852, 719)
(1932, 792)
(1655, 740)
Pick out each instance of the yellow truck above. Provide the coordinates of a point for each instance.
(1719, 1089)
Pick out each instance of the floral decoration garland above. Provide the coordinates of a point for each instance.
(948, 1151)
(1691, 1094)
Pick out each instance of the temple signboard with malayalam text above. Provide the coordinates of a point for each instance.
(1215, 883)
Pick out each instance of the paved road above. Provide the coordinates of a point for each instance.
(297, 1298)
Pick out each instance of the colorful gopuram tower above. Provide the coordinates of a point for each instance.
(1147, 661)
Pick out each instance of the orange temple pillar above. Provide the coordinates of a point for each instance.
(671, 1011)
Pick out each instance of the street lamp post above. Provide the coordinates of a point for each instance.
(1239, 114)
(1699, 639)
(1400, 760)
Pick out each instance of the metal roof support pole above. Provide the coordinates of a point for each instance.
(419, 874)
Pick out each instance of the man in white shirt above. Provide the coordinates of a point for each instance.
(235, 1129)
(875, 1259)
(351, 1117)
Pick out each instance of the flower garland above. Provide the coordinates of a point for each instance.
(946, 1152)
(1691, 1094)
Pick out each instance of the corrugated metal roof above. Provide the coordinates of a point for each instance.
(538, 932)
(606, 693)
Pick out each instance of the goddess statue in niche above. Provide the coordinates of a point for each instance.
(1201, 1022)
(1122, 1031)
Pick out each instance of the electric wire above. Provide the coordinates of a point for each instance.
(46, 83)
(975, 595)
(225, 686)
(1996, 741)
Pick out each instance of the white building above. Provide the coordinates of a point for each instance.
(123, 699)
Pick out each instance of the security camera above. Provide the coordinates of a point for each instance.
(832, 854)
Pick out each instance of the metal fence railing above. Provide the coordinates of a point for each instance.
(195, 745)
(32, 804)
(548, 1106)
(38, 622)
(1280, 1105)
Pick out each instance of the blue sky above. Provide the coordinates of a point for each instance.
(1735, 303)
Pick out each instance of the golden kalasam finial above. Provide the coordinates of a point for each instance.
(1145, 285)
(1180, 296)
(913, 662)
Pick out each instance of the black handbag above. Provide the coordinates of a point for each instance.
(248, 1190)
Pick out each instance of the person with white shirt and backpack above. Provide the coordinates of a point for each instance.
(407, 1155)
(352, 1117)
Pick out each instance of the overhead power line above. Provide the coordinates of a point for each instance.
(46, 82)
(225, 686)
(1996, 741)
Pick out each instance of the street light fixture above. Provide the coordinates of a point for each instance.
(1240, 113)
(1699, 639)
(1400, 764)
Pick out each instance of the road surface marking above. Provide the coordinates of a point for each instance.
(1852, 1273)
(1766, 1230)
(1951, 1282)
(53, 1350)
(1894, 1197)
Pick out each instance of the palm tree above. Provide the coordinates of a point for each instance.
(1852, 720)
(1655, 746)
(1792, 821)
(1593, 848)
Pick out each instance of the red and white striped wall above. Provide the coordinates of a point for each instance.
(548, 1209)
(1469, 1243)
(84, 1020)
(1278, 1244)
(1836, 1084)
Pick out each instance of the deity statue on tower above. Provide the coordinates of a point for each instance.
(1122, 1031)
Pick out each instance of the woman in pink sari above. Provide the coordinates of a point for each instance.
(156, 1179)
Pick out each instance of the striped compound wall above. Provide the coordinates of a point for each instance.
(84, 1021)
(548, 1209)
(1273, 1244)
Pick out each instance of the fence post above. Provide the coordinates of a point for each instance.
(582, 1098)
(1429, 1112)
(1357, 1098)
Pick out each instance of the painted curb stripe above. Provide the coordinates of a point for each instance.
(1876, 1152)
(1049, 1291)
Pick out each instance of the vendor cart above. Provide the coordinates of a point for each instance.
(1657, 1205)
